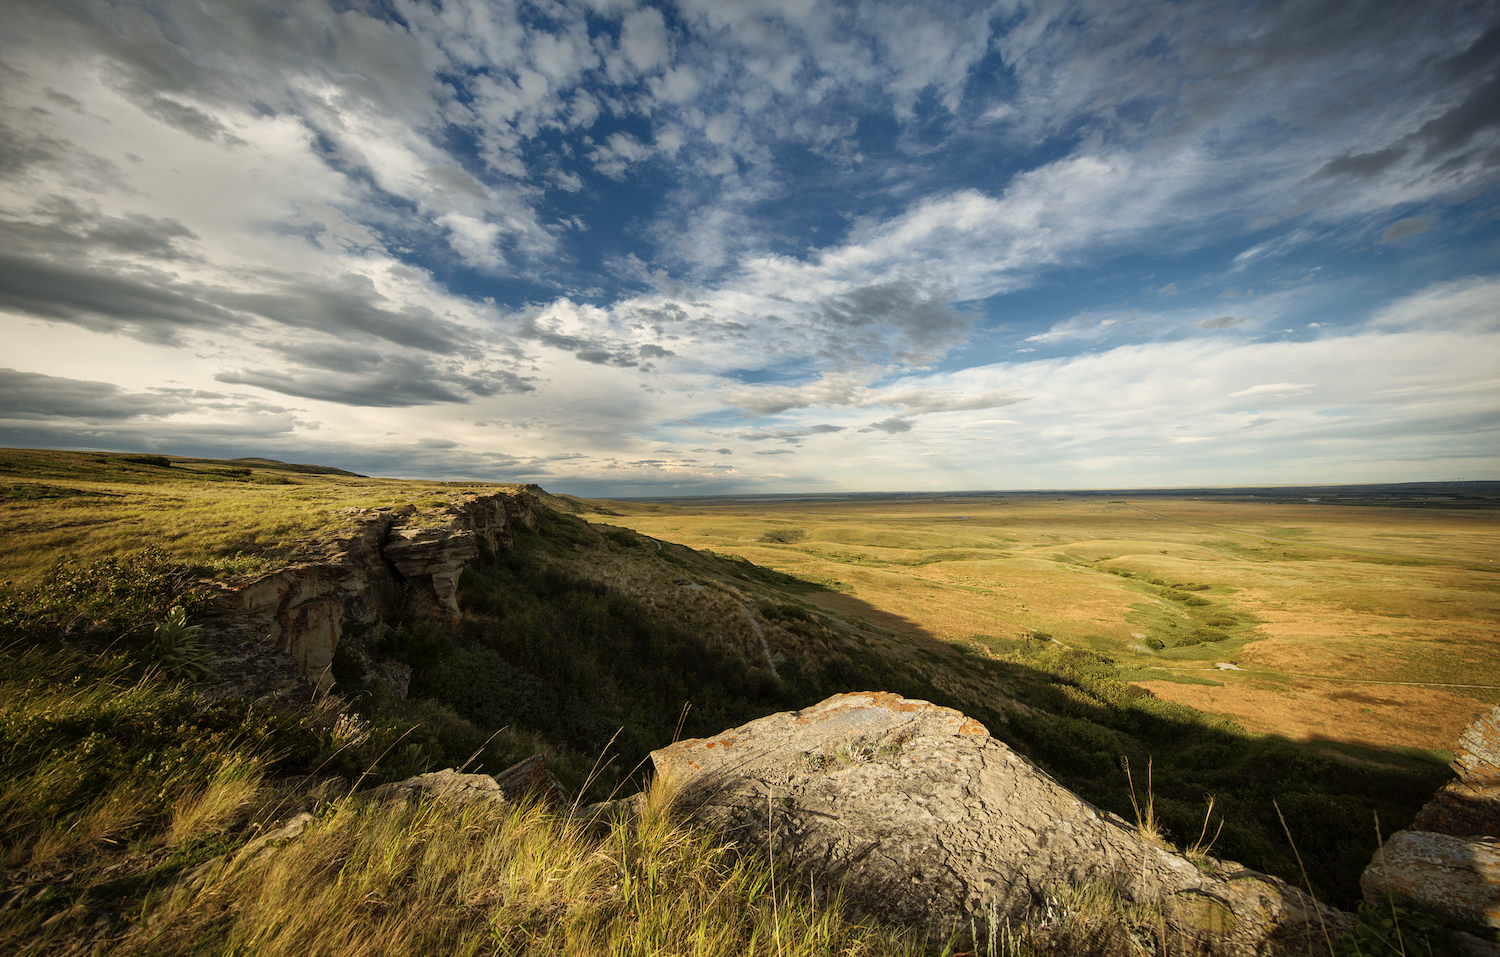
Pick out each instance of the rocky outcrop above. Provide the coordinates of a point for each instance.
(925, 820)
(446, 785)
(276, 635)
(521, 781)
(531, 779)
(435, 555)
(1449, 861)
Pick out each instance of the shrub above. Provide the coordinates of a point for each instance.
(784, 536)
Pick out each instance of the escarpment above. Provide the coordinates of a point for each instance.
(276, 635)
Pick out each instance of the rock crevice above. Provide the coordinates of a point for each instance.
(275, 635)
(922, 819)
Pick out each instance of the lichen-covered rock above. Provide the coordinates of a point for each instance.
(1455, 876)
(1462, 810)
(925, 820)
(1477, 759)
(524, 779)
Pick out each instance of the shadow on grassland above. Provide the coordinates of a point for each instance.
(547, 648)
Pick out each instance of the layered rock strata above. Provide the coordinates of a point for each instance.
(275, 635)
(923, 819)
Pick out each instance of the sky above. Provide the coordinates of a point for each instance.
(731, 246)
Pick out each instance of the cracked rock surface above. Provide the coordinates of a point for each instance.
(925, 820)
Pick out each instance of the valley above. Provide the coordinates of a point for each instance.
(1346, 624)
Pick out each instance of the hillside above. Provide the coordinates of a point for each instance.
(585, 642)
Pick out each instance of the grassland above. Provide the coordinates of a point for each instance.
(1037, 617)
(1346, 624)
(222, 516)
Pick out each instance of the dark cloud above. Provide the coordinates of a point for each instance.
(152, 311)
(893, 426)
(1402, 228)
(1455, 129)
(189, 119)
(1363, 165)
(603, 357)
(61, 228)
(775, 452)
(19, 151)
(396, 382)
(793, 436)
(31, 394)
(352, 307)
(908, 319)
(47, 272)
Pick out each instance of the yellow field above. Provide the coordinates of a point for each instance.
(1356, 624)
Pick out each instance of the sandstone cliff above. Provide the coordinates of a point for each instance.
(275, 635)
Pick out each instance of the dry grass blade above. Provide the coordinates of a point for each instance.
(1145, 820)
(1298, 854)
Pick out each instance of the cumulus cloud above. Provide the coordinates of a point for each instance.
(592, 222)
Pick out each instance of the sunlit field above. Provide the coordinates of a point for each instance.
(223, 516)
(1368, 625)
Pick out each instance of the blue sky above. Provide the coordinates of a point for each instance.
(623, 249)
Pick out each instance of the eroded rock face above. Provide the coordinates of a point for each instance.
(275, 636)
(434, 557)
(1455, 876)
(925, 820)
(1449, 861)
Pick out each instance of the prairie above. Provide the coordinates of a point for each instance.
(219, 516)
(1368, 625)
(597, 638)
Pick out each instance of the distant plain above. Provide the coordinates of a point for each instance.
(1324, 622)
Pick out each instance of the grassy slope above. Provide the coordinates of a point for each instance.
(581, 631)
(221, 516)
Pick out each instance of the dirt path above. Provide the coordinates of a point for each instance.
(760, 632)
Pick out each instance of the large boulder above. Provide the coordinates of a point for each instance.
(922, 819)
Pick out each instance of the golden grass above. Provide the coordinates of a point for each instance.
(427, 877)
(232, 788)
(1364, 595)
(226, 518)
